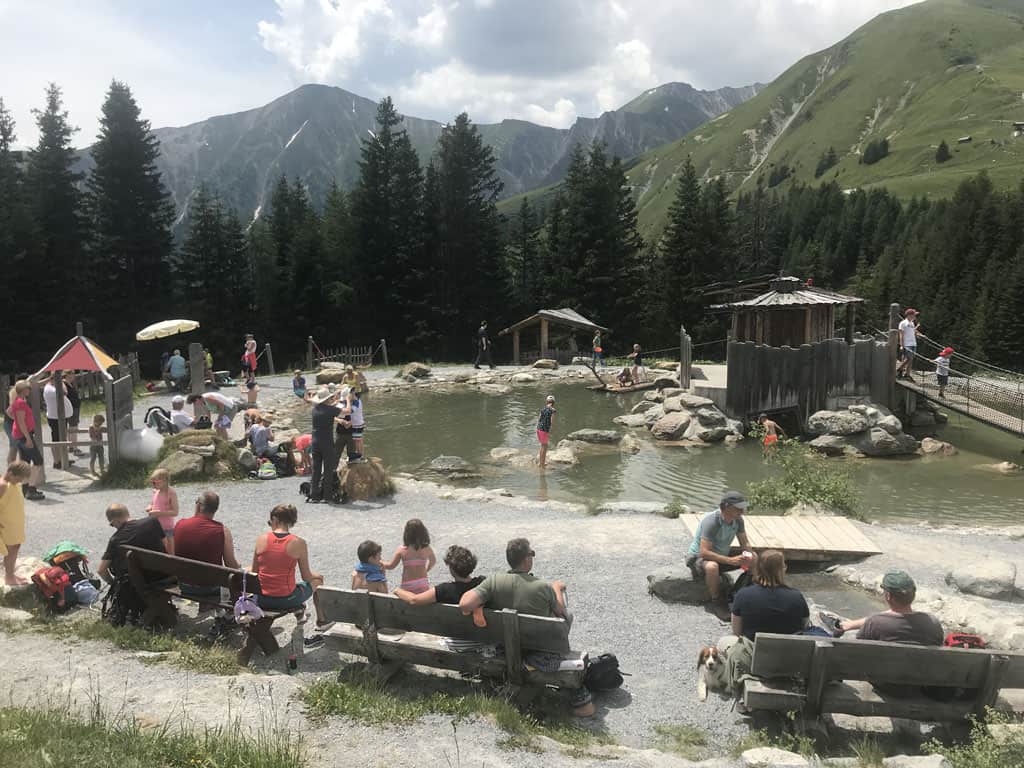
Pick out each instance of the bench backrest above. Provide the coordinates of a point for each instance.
(360, 607)
(885, 663)
(193, 572)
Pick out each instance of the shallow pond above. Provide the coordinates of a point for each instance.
(408, 429)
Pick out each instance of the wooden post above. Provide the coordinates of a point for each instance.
(112, 441)
(35, 401)
(894, 345)
(197, 368)
(309, 354)
(809, 327)
(515, 347)
(543, 337)
(817, 676)
(370, 632)
(384, 351)
(989, 691)
(513, 653)
(685, 357)
(270, 358)
(62, 424)
(851, 319)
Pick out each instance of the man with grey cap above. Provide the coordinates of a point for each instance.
(901, 623)
(709, 556)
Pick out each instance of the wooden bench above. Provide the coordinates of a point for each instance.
(144, 564)
(362, 617)
(814, 675)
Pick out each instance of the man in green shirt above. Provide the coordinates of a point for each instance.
(518, 589)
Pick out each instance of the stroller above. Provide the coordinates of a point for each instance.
(159, 419)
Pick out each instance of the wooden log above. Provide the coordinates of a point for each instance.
(817, 678)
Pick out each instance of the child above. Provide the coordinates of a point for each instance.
(597, 350)
(942, 369)
(771, 431)
(299, 385)
(416, 557)
(544, 424)
(164, 505)
(249, 358)
(304, 445)
(625, 378)
(261, 436)
(12, 519)
(96, 444)
(638, 362)
(369, 573)
(355, 410)
(251, 391)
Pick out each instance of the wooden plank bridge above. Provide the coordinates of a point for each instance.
(995, 402)
(811, 538)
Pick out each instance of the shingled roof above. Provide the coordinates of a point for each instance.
(791, 292)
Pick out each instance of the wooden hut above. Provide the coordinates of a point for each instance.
(545, 318)
(791, 313)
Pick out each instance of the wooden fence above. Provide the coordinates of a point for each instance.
(810, 378)
(357, 357)
(129, 365)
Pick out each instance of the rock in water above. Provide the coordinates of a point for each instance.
(524, 378)
(415, 370)
(602, 436)
(644, 405)
(454, 467)
(565, 453)
(671, 426)
(832, 445)
(710, 417)
(931, 446)
(651, 415)
(366, 480)
(663, 381)
(878, 442)
(546, 364)
(836, 423)
(330, 375)
(631, 420)
(994, 579)
(890, 424)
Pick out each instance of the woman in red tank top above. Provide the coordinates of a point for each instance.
(277, 554)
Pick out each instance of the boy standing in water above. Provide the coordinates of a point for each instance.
(942, 369)
(544, 424)
(771, 431)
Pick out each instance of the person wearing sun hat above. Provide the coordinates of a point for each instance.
(900, 623)
(942, 369)
(324, 454)
(908, 343)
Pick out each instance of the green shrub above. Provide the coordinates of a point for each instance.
(674, 509)
(984, 748)
(804, 476)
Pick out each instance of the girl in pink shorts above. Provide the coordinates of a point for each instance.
(544, 424)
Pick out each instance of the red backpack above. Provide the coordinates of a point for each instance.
(961, 640)
(52, 582)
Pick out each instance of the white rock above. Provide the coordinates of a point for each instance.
(546, 364)
(694, 401)
(524, 378)
(994, 579)
(565, 453)
(631, 420)
(931, 446)
(772, 757)
(890, 424)
(916, 761)
(836, 423)
(631, 508)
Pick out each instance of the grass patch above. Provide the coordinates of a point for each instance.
(804, 476)
(868, 752)
(126, 474)
(990, 745)
(357, 695)
(42, 738)
(684, 740)
(188, 653)
(674, 509)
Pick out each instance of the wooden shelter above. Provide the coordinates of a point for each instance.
(791, 313)
(565, 316)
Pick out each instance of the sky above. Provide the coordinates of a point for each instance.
(547, 61)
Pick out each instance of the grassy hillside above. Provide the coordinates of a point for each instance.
(939, 70)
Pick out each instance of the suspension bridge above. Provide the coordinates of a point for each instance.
(976, 389)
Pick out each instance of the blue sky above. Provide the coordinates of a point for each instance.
(543, 60)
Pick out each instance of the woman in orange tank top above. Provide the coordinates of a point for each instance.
(277, 554)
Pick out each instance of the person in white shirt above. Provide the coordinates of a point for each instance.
(179, 418)
(942, 369)
(50, 401)
(908, 343)
(221, 409)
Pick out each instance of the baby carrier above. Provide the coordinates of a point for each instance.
(159, 419)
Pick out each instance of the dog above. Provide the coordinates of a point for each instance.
(707, 659)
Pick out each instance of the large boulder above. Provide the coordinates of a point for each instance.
(994, 579)
(183, 466)
(710, 417)
(675, 584)
(668, 392)
(673, 405)
(694, 401)
(878, 442)
(600, 436)
(489, 388)
(671, 426)
(546, 364)
(932, 447)
(832, 445)
(652, 415)
(564, 453)
(365, 480)
(644, 405)
(330, 375)
(246, 460)
(631, 420)
(890, 424)
(836, 423)
(453, 467)
(707, 434)
(663, 381)
(524, 378)
(872, 412)
(415, 370)
(654, 397)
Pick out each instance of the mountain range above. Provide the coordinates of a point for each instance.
(315, 132)
(941, 70)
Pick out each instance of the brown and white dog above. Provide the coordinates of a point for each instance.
(707, 659)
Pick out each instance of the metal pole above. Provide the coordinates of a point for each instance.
(384, 351)
(309, 353)
(78, 329)
(270, 358)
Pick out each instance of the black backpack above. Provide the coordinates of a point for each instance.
(122, 604)
(603, 673)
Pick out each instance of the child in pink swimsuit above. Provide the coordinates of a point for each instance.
(416, 557)
(164, 505)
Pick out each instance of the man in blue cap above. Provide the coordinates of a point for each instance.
(901, 623)
(709, 556)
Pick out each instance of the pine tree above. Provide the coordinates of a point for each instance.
(524, 261)
(942, 153)
(679, 266)
(55, 207)
(15, 238)
(131, 213)
(828, 159)
(339, 259)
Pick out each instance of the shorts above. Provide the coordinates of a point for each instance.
(9, 428)
(697, 564)
(303, 591)
(31, 455)
(357, 432)
(770, 440)
(223, 422)
(96, 452)
(543, 436)
(943, 379)
(54, 429)
(908, 354)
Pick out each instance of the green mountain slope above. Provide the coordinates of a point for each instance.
(939, 70)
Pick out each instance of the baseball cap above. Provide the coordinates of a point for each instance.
(898, 581)
(733, 499)
(911, 311)
(551, 398)
(947, 352)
